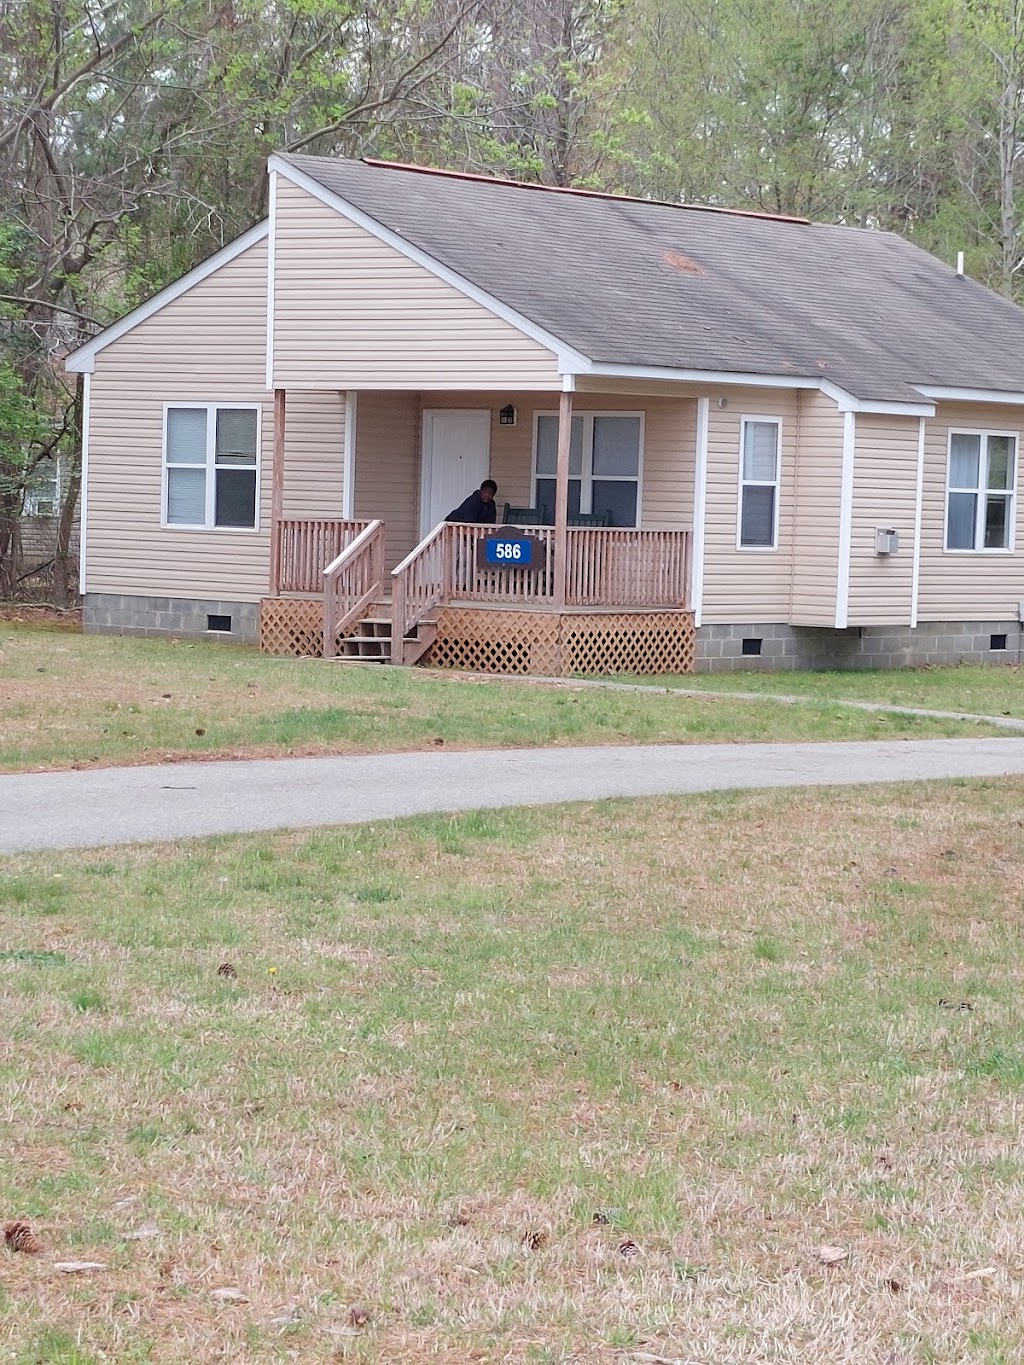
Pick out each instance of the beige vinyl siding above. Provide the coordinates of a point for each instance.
(352, 312)
(670, 438)
(387, 474)
(884, 494)
(314, 454)
(966, 586)
(816, 520)
(205, 347)
(746, 585)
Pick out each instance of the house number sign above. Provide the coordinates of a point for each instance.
(511, 552)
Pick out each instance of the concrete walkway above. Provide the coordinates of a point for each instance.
(170, 801)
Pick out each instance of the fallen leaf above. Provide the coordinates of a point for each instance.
(200, 731)
(358, 1316)
(74, 1107)
(536, 1239)
(894, 1286)
(78, 1267)
(832, 1255)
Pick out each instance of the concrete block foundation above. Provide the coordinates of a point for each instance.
(759, 647)
(188, 617)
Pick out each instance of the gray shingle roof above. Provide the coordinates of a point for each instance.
(634, 283)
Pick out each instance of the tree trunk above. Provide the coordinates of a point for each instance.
(69, 506)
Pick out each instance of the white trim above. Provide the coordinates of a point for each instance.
(83, 360)
(83, 492)
(568, 358)
(844, 400)
(348, 487)
(210, 467)
(700, 491)
(970, 395)
(741, 483)
(845, 522)
(586, 475)
(568, 383)
(915, 580)
(982, 491)
(271, 275)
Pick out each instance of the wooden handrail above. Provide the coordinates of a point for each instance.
(305, 545)
(421, 582)
(352, 582)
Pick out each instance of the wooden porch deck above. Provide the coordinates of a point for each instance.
(623, 605)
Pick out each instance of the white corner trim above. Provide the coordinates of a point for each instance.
(271, 275)
(83, 492)
(700, 498)
(940, 394)
(568, 383)
(83, 361)
(348, 487)
(845, 522)
(915, 581)
(569, 359)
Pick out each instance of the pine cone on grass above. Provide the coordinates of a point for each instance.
(227, 969)
(20, 1237)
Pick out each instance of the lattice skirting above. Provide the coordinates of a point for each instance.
(546, 643)
(292, 625)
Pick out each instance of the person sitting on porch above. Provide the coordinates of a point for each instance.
(479, 507)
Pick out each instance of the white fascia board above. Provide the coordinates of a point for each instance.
(570, 360)
(845, 521)
(847, 403)
(83, 360)
(938, 394)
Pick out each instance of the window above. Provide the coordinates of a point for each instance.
(980, 490)
(211, 466)
(43, 494)
(759, 483)
(605, 451)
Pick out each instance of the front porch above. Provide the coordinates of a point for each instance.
(622, 606)
(595, 598)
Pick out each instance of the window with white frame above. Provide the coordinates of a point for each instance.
(980, 490)
(759, 483)
(605, 456)
(44, 491)
(211, 466)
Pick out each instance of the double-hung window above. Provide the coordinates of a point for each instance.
(44, 492)
(759, 484)
(980, 490)
(605, 455)
(211, 466)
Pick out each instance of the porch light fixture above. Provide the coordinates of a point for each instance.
(507, 416)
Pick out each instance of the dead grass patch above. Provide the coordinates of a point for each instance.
(583, 1083)
(72, 700)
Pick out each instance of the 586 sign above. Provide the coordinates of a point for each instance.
(511, 552)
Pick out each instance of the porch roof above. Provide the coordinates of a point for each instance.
(632, 282)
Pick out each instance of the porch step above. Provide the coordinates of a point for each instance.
(371, 641)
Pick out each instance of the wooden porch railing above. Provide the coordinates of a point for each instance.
(622, 567)
(305, 548)
(606, 567)
(352, 582)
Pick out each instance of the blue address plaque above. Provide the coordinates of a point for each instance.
(512, 552)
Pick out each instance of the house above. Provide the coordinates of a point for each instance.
(746, 440)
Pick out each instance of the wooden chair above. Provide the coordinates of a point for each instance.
(524, 516)
(590, 519)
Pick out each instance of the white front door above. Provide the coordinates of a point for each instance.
(456, 459)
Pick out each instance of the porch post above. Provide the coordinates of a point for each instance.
(277, 492)
(560, 558)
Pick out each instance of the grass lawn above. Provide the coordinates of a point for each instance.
(573, 1084)
(71, 700)
(995, 690)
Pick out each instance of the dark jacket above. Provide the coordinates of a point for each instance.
(475, 509)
